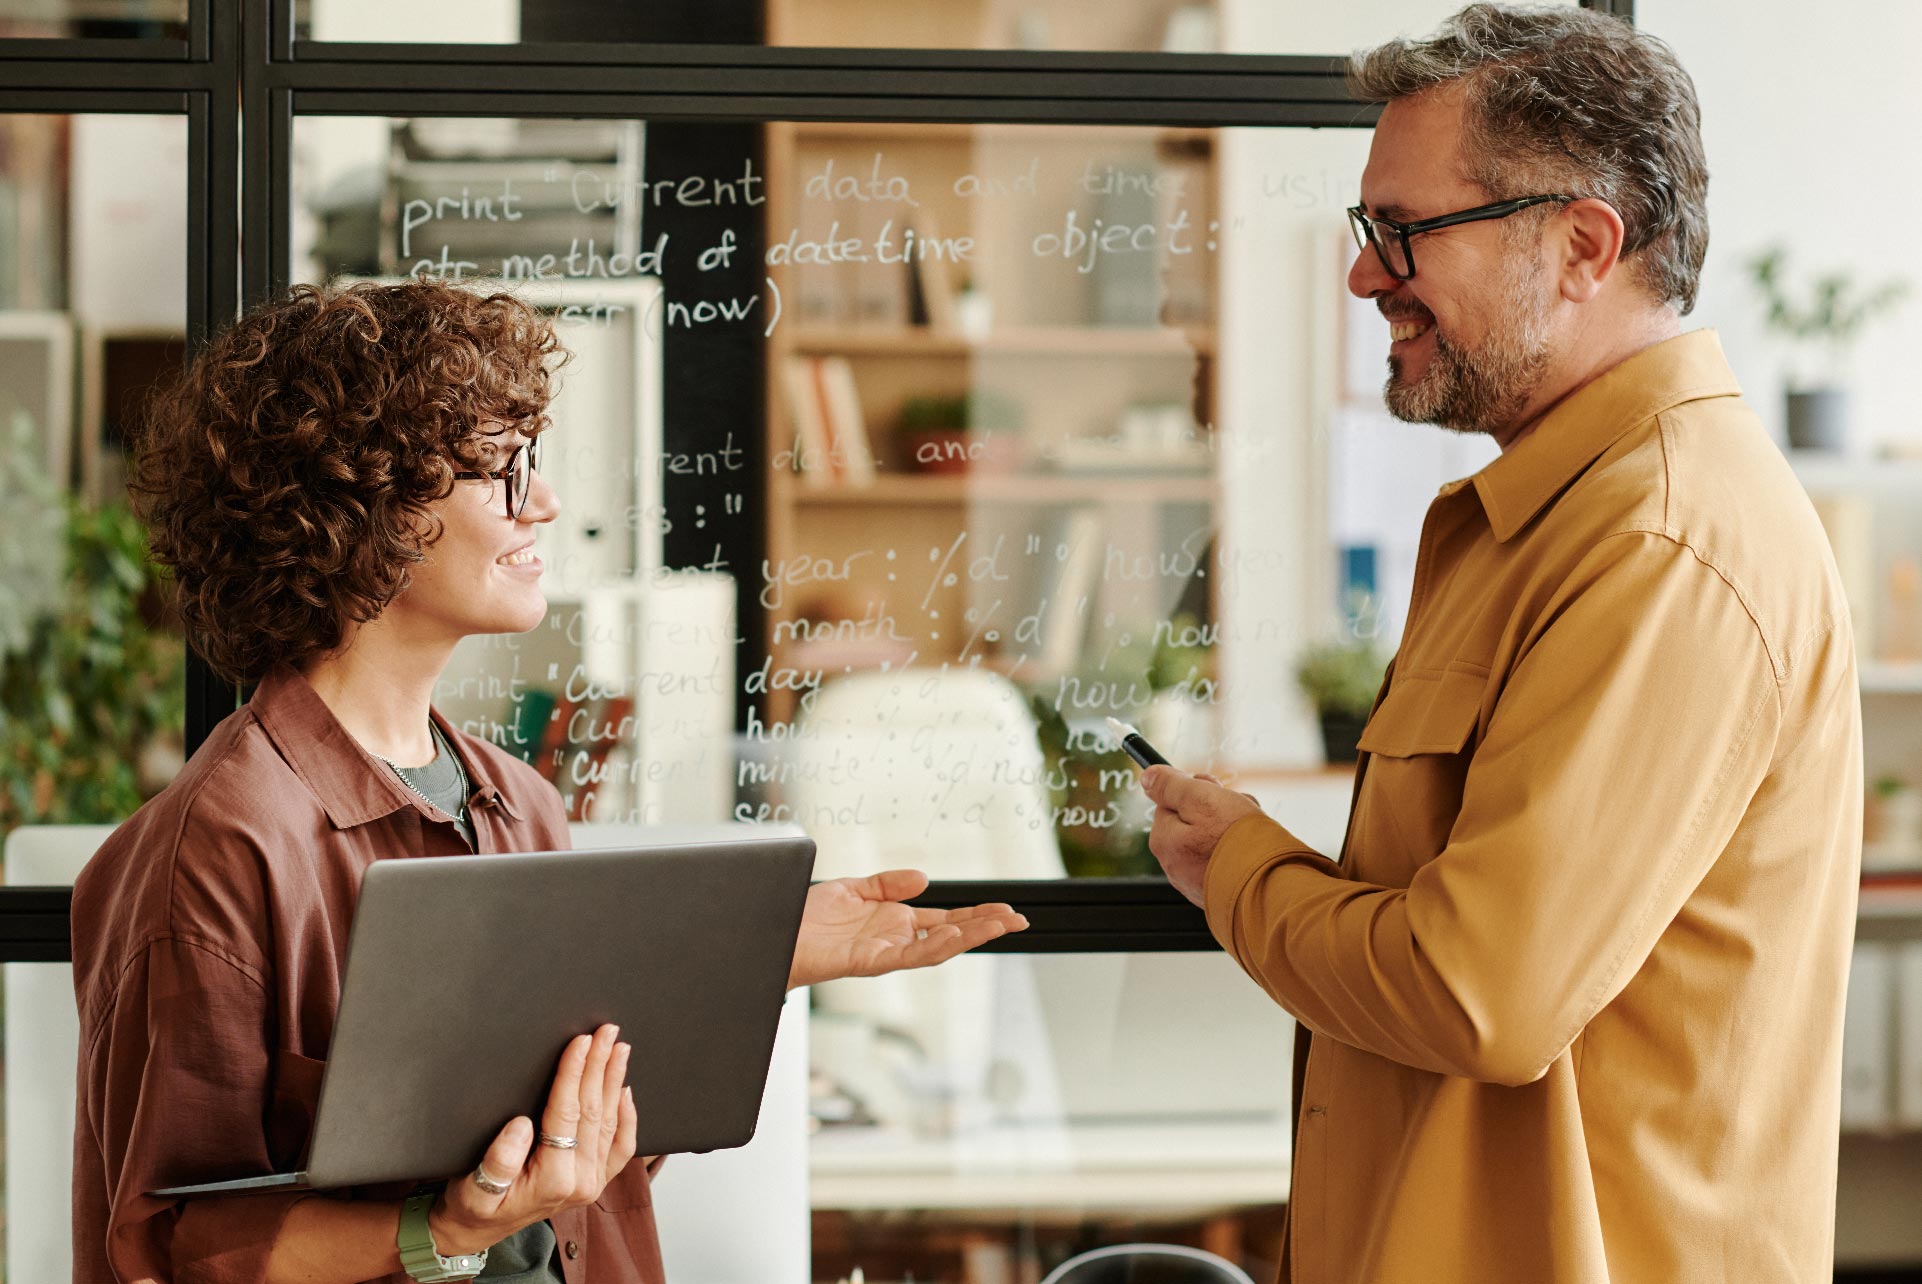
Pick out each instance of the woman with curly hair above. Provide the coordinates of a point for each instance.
(345, 485)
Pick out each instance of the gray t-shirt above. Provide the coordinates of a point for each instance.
(443, 782)
(529, 1255)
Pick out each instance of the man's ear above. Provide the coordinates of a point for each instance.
(1588, 235)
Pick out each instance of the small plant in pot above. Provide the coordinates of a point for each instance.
(1821, 326)
(1340, 679)
(958, 433)
(1892, 828)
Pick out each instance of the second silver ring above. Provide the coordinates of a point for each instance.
(558, 1143)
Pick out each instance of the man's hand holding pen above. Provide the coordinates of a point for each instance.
(1191, 815)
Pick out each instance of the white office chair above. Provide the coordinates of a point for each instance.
(1147, 1264)
(940, 771)
(43, 1036)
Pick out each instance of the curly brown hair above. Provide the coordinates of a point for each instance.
(287, 477)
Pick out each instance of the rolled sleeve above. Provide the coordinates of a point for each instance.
(178, 1087)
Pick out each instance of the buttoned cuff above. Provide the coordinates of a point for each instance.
(1245, 849)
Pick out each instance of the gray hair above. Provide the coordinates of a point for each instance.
(1573, 101)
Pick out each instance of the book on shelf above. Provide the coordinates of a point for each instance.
(1867, 1054)
(930, 287)
(847, 426)
(830, 430)
(812, 457)
(877, 292)
(1908, 1035)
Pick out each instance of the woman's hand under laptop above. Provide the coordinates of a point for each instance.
(591, 1103)
(859, 927)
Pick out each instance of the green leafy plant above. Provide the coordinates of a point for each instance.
(91, 682)
(1094, 797)
(982, 410)
(1183, 653)
(1341, 678)
(1825, 323)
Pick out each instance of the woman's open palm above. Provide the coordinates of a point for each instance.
(859, 927)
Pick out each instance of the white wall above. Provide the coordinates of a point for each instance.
(1810, 117)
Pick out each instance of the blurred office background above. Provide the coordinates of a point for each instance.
(872, 540)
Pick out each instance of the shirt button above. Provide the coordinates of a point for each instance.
(1317, 1110)
(573, 1250)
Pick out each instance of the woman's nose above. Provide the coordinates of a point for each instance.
(543, 504)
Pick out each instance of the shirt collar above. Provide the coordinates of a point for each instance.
(1594, 417)
(352, 785)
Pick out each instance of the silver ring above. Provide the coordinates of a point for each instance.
(488, 1184)
(559, 1143)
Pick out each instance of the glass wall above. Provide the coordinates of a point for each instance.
(89, 19)
(895, 459)
(93, 311)
(1166, 26)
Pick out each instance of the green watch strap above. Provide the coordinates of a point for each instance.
(418, 1255)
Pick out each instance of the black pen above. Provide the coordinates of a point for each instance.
(1135, 746)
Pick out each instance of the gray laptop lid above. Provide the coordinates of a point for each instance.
(467, 975)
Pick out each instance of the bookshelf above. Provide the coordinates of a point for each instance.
(1034, 341)
(1870, 507)
(1087, 392)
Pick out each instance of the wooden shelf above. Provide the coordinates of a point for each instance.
(949, 131)
(1885, 677)
(1889, 902)
(1823, 472)
(1034, 341)
(1005, 488)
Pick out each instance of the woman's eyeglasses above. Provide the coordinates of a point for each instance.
(518, 475)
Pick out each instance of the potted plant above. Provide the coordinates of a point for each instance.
(91, 700)
(958, 433)
(1892, 830)
(1340, 679)
(1822, 328)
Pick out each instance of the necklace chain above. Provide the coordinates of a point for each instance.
(440, 746)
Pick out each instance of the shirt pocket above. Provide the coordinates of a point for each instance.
(1427, 711)
(1420, 742)
(290, 1116)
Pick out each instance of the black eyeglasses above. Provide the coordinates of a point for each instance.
(518, 474)
(1391, 239)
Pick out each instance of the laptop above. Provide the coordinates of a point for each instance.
(467, 975)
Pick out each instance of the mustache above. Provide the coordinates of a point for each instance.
(1392, 317)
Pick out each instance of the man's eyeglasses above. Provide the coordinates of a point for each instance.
(518, 475)
(1391, 240)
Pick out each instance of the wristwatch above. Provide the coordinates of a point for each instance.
(418, 1255)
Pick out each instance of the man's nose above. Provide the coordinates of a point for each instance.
(1367, 278)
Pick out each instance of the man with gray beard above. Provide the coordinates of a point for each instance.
(1570, 1001)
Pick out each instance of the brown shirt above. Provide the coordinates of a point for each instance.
(209, 936)
(1575, 989)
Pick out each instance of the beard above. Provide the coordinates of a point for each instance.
(1481, 389)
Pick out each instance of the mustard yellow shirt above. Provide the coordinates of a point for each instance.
(1574, 991)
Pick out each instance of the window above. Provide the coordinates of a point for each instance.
(932, 404)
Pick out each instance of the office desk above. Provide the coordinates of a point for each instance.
(1176, 1169)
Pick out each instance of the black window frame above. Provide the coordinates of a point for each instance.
(242, 62)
